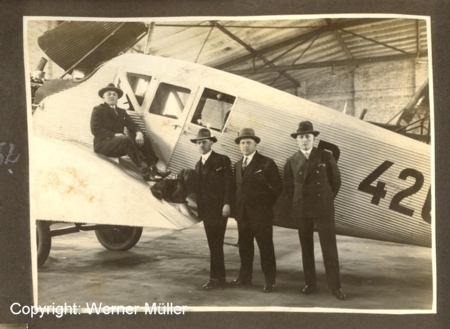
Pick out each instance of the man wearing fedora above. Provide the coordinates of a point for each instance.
(107, 125)
(312, 181)
(258, 186)
(214, 196)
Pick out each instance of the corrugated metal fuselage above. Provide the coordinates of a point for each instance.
(386, 178)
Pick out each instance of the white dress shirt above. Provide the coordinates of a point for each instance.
(114, 108)
(307, 152)
(205, 157)
(249, 158)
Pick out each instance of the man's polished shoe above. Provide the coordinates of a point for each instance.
(214, 284)
(149, 175)
(339, 294)
(239, 282)
(268, 288)
(156, 172)
(309, 289)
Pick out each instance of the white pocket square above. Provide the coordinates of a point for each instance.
(258, 171)
(219, 168)
(322, 165)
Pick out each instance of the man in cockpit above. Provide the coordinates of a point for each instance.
(107, 125)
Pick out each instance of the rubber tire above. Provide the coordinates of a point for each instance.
(119, 238)
(44, 241)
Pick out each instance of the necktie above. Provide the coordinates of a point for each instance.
(201, 169)
(306, 155)
(244, 164)
(114, 108)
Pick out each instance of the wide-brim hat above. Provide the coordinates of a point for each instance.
(110, 87)
(247, 133)
(204, 133)
(305, 127)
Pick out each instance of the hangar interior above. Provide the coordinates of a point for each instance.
(375, 69)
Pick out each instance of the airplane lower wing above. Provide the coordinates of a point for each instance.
(70, 183)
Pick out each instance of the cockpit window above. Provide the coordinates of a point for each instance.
(169, 100)
(213, 109)
(139, 84)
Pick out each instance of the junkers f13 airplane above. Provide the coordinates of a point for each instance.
(386, 176)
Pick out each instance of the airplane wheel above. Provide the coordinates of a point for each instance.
(119, 238)
(44, 241)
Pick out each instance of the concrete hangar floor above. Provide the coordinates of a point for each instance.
(171, 266)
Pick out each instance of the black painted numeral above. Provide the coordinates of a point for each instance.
(377, 191)
(395, 203)
(426, 209)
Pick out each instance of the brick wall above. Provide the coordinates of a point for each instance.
(382, 88)
(334, 92)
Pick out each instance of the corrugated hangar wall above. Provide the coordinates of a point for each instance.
(382, 88)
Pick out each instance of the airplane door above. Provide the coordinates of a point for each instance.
(213, 110)
(166, 116)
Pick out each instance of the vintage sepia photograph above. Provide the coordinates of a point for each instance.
(259, 163)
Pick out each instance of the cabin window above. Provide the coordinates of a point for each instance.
(139, 84)
(169, 100)
(213, 109)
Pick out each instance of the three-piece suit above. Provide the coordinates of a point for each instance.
(257, 189)
(215, 189)
(312, 184)
(106, 122)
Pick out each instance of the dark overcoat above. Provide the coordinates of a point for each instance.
(257, 189)
(312, 185)
(105, 123)
(215, 187)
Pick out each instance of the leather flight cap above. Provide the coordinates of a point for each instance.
(247, 133)
(110, 87)
(204, 133)
(305, 127)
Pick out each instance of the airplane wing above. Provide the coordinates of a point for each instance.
(88, 44)
(70, 183)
